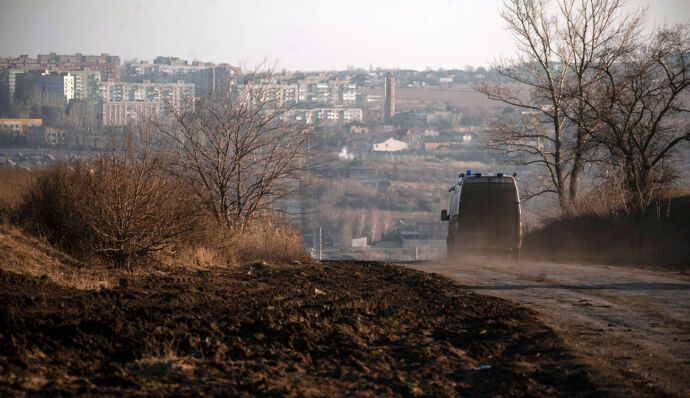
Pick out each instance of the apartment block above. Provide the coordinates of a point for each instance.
(175, 94)
(331, 116)
(82, 85)
(123, 113)
(206, 77)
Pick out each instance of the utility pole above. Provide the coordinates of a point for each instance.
(320, 243)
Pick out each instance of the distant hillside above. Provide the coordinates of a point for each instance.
(456, 96)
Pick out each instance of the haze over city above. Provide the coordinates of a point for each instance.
(361, 198)
(296, 35)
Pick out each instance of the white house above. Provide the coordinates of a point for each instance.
(390, 145)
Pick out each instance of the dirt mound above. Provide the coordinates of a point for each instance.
(332, 329)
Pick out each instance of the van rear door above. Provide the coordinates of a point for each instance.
(489, 212)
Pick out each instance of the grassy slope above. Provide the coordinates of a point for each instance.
(661, 238)
(26, 255)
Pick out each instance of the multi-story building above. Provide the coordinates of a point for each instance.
(123, 113)
(68, 82)
(206, 77)
(289, 93)
(137, 72)
(125, 103)
(330, 116)
(82, 85)
(350, 94)
(374, 101)
(107, 65)
(11, 68)
(12, 74)
(174, 94)
(20, 62)
(352, 115)
(29, 84)
(321, 93)
(201, 75)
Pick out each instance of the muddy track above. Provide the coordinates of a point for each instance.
(330, 329)
(631, 325)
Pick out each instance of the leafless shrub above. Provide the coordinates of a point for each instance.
(120, 206)
(51, 207)
(136, 208)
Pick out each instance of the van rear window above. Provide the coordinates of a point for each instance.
(489, 196)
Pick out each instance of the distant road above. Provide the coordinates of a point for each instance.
(630, 324)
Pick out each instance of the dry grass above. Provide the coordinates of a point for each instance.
(167, 362)
(263, 241)
(26, 249)
(32, 256)
(26, 255)
(601, 231)
(260, 241)
(13, 184)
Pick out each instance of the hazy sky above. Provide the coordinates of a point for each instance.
(294, 34)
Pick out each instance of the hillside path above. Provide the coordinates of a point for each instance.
(632, 325)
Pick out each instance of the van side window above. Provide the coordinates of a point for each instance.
(454, 202)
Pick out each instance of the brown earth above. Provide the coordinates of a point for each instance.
(630, 325)
(326, 329)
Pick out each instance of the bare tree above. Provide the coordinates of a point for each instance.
(82, 114)
(538, 85)
(555, 56)
(642, 106)
(595, 33)
(136, 209)
(240, 154)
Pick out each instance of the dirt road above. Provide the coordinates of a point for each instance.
(631, 325)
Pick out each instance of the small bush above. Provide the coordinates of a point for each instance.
(120, 207)
(52, 207)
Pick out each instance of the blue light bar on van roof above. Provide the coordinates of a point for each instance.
(469, 172)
